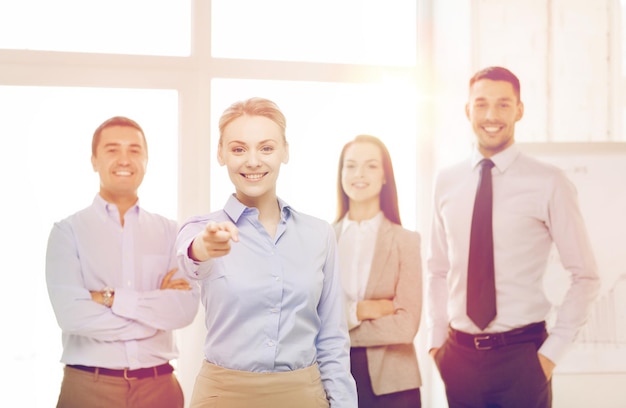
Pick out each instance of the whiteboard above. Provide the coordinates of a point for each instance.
(598, 170)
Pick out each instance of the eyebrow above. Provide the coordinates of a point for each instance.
(114, 144)
(260, 143)
(366, 161)
(506, 98)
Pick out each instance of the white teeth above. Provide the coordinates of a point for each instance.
(491, 128)
(122, 173)
(253, 176)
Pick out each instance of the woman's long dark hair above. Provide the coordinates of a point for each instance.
(388, 193)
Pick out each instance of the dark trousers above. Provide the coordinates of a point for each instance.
(367, 398)
(504, 377)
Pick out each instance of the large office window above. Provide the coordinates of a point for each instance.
(322, 115)
(377, 32)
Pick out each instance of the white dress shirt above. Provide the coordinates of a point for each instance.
(534, 206)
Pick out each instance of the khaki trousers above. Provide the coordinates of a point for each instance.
(220, 387)
(81, 389)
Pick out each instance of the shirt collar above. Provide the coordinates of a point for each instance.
(373, 223)
(501, 160)
(106, 207)
(235, 209)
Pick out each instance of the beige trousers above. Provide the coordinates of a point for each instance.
(220, 387)
(81, 389)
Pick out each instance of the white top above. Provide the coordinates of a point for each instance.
(356, 250)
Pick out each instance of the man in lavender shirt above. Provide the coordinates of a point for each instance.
(508, 362)
(114, 287)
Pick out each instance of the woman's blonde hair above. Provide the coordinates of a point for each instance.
(255, 106)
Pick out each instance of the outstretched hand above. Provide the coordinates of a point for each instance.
(177, 284)
(214, 240)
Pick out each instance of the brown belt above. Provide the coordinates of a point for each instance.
(126, 373)
(534, 332)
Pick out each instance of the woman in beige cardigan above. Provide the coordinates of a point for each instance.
(381, 272)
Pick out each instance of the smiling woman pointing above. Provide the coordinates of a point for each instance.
(276, 334)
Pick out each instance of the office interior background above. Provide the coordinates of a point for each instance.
(395, 69)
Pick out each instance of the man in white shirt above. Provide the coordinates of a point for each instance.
(508, 361)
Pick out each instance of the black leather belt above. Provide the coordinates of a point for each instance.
(129, 374)
(535, 332)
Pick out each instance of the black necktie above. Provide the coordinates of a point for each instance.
(481, 287)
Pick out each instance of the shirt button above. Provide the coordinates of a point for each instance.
(270, 344)
(274, 310)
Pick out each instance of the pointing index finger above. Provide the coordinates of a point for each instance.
(230, 230)
(234, 231)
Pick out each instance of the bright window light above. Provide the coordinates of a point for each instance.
(143, 27)
(375, 32)
(623, 36)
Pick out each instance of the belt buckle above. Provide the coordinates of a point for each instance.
(477, 341)
(126, 377)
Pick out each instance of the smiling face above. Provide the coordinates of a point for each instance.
(493, 109)
(252, 148)
(120, 159)
(362, 173)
